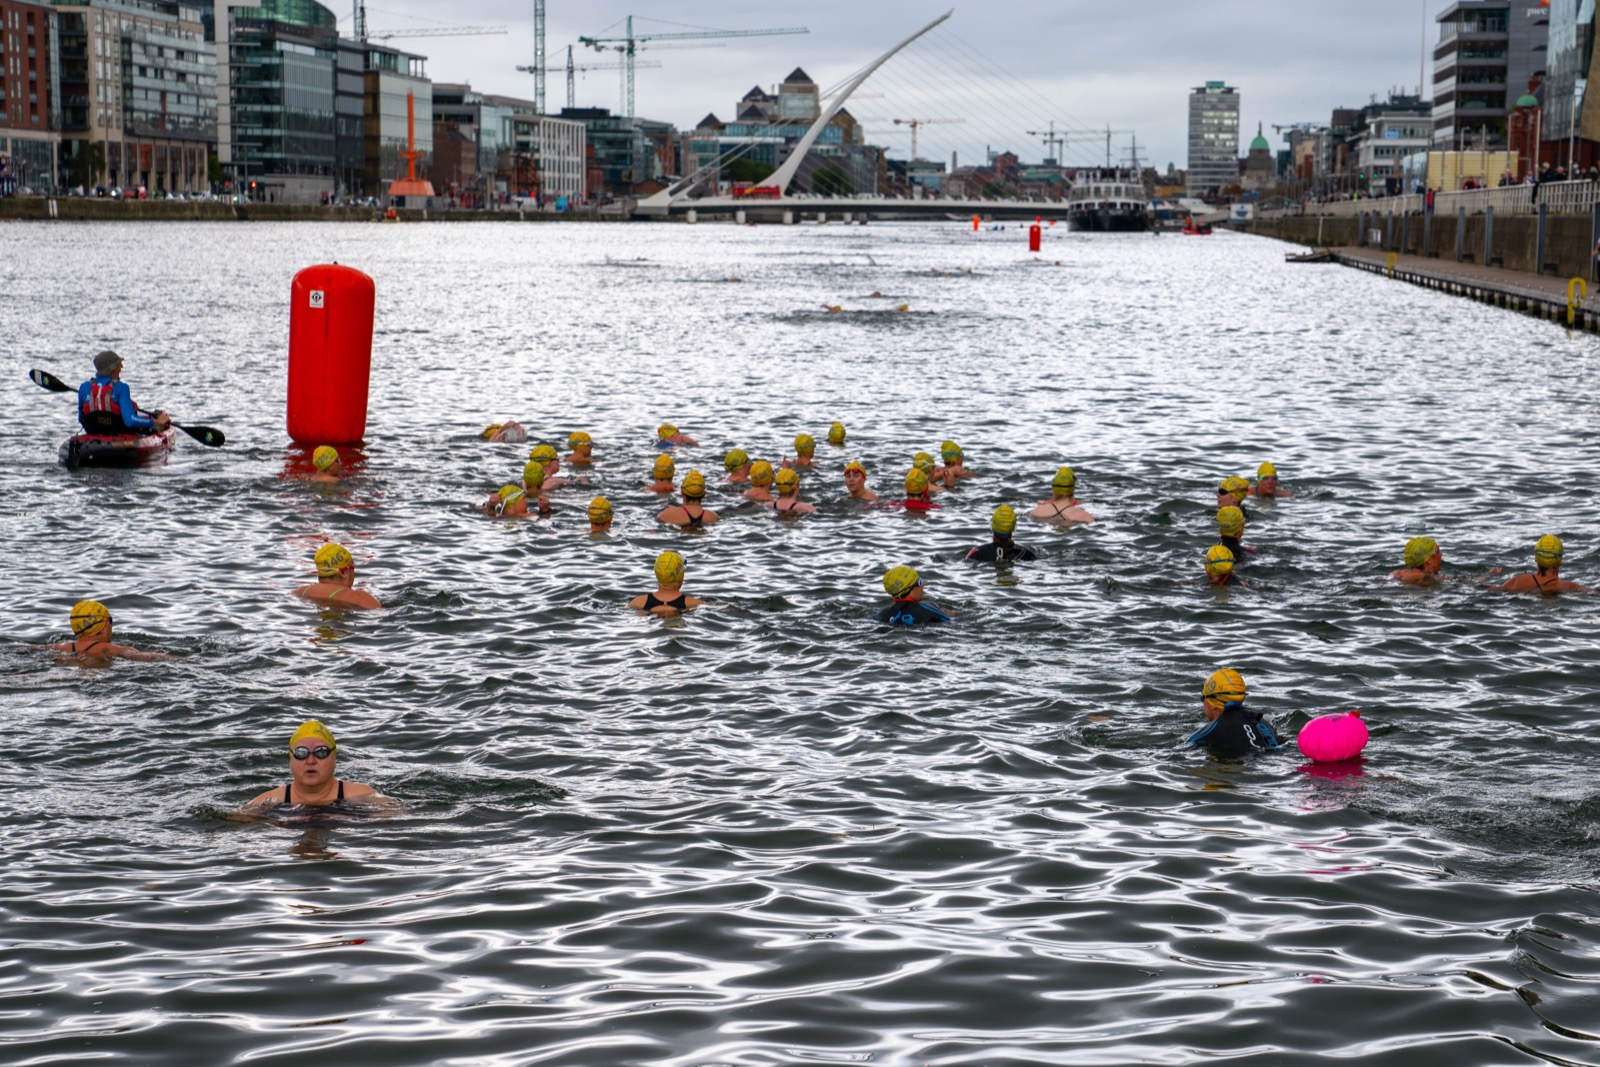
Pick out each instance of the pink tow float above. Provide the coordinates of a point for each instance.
(1330, 738)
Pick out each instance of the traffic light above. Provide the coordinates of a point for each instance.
(252, 187)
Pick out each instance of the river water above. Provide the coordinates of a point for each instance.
(774, 832)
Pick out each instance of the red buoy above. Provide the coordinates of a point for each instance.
(1035, 236)
(330, 355)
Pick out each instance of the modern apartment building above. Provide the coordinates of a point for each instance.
(29, 92)
(1213, 139)
(396, 82)
(1570, 119)
(282, 72)
(1489, 53)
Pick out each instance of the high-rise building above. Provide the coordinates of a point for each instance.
(1489, 51)
(396, 86)
(29, 97)
(282, 72)
(1213, 139)
(1570, 121)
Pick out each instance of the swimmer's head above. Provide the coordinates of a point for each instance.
(855, 467)
(664, 468)
(1219, 561)
(761, 473)
(331, 560)
(1548, 552)
(1224, 688)
(490, 430)
(666, 431)
(1234, 486)
(1419, 550)
(312, 730)
(950, 450)
(324, 457)
(669, 570)
(899, 581)
(533, 474)
(1266, 470)
(89, 617)
(599, 511)
(510, 494)
(922, 461)
(1230, 521)
(1004, 521)
(916, 482)
(804, 444)
(694, 485)
(1064, 482)
(578, 438)
(544, 453)
(736, 458)
(836, 434)
(787, 480)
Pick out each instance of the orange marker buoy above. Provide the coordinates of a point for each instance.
(976, 223)
(330, 355)
(1035, 236)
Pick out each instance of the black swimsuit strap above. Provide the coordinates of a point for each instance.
(341, 790)
(286, 794)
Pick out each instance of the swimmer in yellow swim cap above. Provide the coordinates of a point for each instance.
(509, 501)
(1231, 493)
(760, 482)
(1002, 549)
(955, 462)
(582, 446)
(690, 514)
(533, 484)
(836, 435)
(336, 578)
(667, 436)
(547, 455)
(937, 480)
(669, 597)
(787, 483)
(505, 433)
(313, 768)
(1230, 528)
(1423, 559)
(599, 515)
(918, 498)
(805, 452)
(1230, 730)
(663, 472)
(737, 464)
(855, 483)
(1219, 566)
(1267, 483)
(91, 637)
(1546, 580)
(325, 459)
(904, 586)
(1062, 509)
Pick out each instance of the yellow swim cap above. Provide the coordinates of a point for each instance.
(1234, 485)
(1004, 520)
(1219, 560)
(490, 430)
(1266, 470)
(1064, 482)
(544, 453)
(578, 437)
(836, 434)
(922, 461)
(804, 444)
(694, 484)
(900, 580)
(950, 450)
(664, 468)
(331, 559)
(1224, 687)
(916, 482)
(599, 510)
(510, 494)
(736, 458)
(1548, 551)
(1419, 550)
(88, 616)
(310, 729)
(1230, 520)
(533, 473)
(855, 465)
(666, 431)
(761, 473)
(669, 569)
(787, 479)
(324, 457)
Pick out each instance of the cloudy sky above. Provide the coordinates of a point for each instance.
(1003, 67)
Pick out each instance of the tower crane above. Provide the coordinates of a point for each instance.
(631, 42)
(360, 32)
(584, 68)
(1052, 139)
(917, 124)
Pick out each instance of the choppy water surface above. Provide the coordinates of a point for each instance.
(774, 832)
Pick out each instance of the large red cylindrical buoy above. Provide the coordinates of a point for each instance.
(330, 355)
(1035, 236)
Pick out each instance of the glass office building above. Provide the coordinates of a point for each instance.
(284, 118)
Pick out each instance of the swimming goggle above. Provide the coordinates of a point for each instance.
(301, 752)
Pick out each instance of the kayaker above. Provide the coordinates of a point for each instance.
(313, 770)
(336, 578)
(106, 407)
(91, 636)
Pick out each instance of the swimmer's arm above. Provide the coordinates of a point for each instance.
(692, 602)
(357, 598)
(137, 656)
(637, 603)
(685, 439)
(708, 517)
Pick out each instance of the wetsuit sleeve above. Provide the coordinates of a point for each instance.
(1268, 737)
(1199, 736)
(130, 415)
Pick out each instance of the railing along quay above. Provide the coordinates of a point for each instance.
(1561, 198)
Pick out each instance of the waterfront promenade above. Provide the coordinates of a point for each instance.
(1542, 296)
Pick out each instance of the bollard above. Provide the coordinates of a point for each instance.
(1394, 261)
(738, 217)
(1035, 236)
(976, 223)
(1577, 289)
(788, 218)
(330, 355)
(691, 216)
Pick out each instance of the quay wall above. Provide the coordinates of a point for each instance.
(95, 209)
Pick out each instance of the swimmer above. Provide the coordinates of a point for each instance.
(336, 579)
(662, 472)
(918, 497)
(667, 436)
(1219, 566)
(1230, 730)
(1231, 493)
(91, 636)
(855, 482)
(533, 483)
(938, 481)
(504, 433)
(1230, 528)
(547, 455)
(1062, 509)
(836, 435)
(1267, 483)
(313, 766)
(1423, 559)
(508, 502)
(787, 483)
(1002, 549)
(326, 460)
(832, 309)
(805, 451)
(1547, 579)
(669, 598)
(737, 464)
(909, 609)
(599, 515)
(582, 446)
(954, 461)
(760, 482)
(689, 514)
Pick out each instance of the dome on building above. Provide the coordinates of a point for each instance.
(1260, 143)
(1527, 100)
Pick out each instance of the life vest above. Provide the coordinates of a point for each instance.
(101, 413)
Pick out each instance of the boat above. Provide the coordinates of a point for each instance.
(1194, 229)
(1321, 255)
(117, 450)
(1108, 199)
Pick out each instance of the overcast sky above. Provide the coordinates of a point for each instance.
(1002, 67)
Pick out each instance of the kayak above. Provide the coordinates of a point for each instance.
(117, 450)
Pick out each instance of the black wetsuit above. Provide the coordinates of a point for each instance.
(1236, 732)
(995, 552)
(651, 602)
(336, 799)
(1232, 545)
(911, 613)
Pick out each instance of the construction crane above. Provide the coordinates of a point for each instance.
(573, 70)
(1052, 139)
(360, 32)
(917, 124)
(630, 44)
